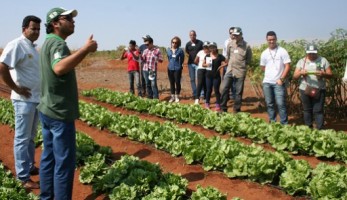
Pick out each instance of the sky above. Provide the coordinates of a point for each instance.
(114, 23)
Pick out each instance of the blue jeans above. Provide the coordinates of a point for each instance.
(314, 107)
(228, 82)
(213, 84)
(58, 158)
(26, 120)
(134, 77)
(276, 93)
(152, 88)
(192, 75)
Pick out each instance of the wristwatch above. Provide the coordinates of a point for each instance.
(283, 79)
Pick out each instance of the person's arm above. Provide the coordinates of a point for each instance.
(248, 55)
(136, 57)
(284, 74)
(160, 56)
(204, 64)
(298, 72)
(196, 61)
(181, 58)
(223, 64)
(327, 73)
(123, 56)
(70, 62)
(7, 79)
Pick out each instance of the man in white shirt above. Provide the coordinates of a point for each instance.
(275, 61)
(19, 69)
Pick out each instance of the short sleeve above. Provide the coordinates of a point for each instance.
(263, 59)
(58, 51)
(285, 57)
(300, 64)
(11, 55)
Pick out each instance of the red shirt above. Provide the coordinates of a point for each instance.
(133, 65)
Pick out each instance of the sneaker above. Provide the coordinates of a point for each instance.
(196, 102)
(29, 184)
(34, 171)
(177, 99)
(217, 108)
(207, 105)
(172, 99)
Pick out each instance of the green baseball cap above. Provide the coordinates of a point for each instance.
(55, 12)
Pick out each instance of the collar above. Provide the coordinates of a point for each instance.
(28, 41)
(240, 43)
(52, 35)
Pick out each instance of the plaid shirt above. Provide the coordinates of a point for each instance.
(150, 58)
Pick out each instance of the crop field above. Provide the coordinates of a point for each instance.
(130, 147)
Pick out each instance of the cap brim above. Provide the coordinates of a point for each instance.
(72, 12)
(236, 33)
(311, 51)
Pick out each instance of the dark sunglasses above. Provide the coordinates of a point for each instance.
(68, 18)
(174, 42)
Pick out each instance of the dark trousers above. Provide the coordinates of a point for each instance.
(213, 83)
(230, 81)
(232, 90)
(142, 81)
(201, 83)
(175, 80)
(313, 107)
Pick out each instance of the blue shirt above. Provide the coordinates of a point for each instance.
(175, 59)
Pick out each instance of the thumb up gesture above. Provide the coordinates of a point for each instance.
(91, 45)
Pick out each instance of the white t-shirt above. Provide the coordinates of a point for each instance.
(23, 60)
(225, 48)
(274, 61)
(201, 54)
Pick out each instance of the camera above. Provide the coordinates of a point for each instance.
(151, 75)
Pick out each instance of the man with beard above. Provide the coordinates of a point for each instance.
(58, 108)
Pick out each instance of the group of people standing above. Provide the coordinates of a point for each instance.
(44, 88)
(208, 69)
(225, 74)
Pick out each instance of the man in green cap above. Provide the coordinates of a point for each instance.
(58, 107)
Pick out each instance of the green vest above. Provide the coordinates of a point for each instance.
(59, 94)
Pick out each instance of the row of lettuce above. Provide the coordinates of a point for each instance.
(235, 159)
(127, 178)
(131, 178)
(10, 188)
(295, 139)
